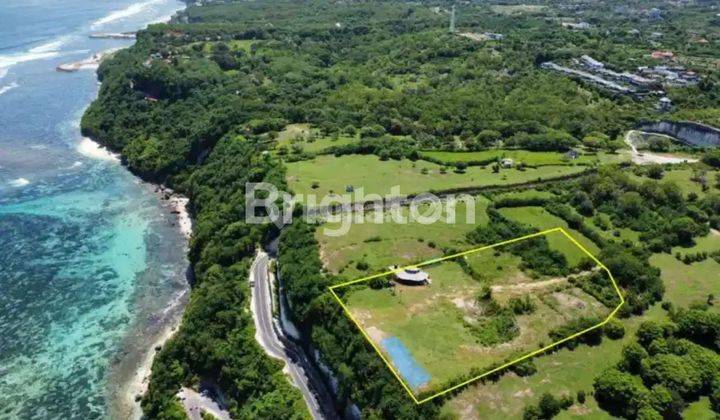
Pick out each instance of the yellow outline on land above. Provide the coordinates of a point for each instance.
(460, 254)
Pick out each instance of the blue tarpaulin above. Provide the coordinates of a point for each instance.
(415, 375)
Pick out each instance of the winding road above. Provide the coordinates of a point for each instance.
(271, 337)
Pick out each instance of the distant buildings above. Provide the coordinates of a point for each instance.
(664, 104)
(572, 154)
(645, 80)
(591, 62)
(676, 76)
(662, 55)
(655, 13)
(579, 26)
(485, 36)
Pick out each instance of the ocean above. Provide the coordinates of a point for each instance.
(92, 262)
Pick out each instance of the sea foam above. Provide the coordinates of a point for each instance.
(89, 148)
(20, 182)
(7, 88)
(131, 10)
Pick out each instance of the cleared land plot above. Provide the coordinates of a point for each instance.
(380, 245)
(527, 157)
(435, 334)
(333, 175)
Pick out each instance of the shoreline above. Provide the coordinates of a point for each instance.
(124, 402)
(134, 382)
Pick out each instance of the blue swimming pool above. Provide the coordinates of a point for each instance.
(414, 374)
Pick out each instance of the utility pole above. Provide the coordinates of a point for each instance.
(452, 20)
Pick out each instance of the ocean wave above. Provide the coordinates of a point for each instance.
(7, 88)
(131, 10)
(41, 52)
(89, 148)
(51, 46)
(20, 182)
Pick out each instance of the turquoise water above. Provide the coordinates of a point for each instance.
(415, 375)
(93, 266)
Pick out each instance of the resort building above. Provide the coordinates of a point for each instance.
(412, 276)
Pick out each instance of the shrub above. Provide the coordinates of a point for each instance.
(522, 305)
(614, 329)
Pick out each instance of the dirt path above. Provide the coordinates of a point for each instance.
(526, 287)
(645, 158)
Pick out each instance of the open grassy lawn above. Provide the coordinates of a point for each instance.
(527, 157)
(541, 219)
(389, 243)
(437, 322)
(686, 284)
(333, 174)
(560, 372)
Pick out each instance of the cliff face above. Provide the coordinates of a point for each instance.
(694, 134)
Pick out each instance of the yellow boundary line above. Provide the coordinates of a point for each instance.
(460, 254)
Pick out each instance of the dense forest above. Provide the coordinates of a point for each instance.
(198, 103)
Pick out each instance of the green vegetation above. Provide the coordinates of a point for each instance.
(665, 368)
(328, 175)
(380, 245)
(524, 157)
(541, 219)
(196, 103)
(463, 314)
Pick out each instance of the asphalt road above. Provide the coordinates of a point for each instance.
(271, 338)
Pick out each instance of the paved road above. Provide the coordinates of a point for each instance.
(272, 339)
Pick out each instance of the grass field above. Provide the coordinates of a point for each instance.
(308, 139)
(541, 219)
(333, 174)
(683, 178)
(383, 244)
(527, 157)
(686, 284)
(437, 323)
(561, 372)
(524, 195)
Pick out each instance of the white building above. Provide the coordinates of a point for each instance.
(412, 276)
(591, 62)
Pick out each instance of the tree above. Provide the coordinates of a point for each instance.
(655, 171)
(620, 393)
(712, 157)
(672, 371)
(614, 329)
(632, 356)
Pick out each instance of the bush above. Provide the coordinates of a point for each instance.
(614, 329)
(522, 305)
(581, 397)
